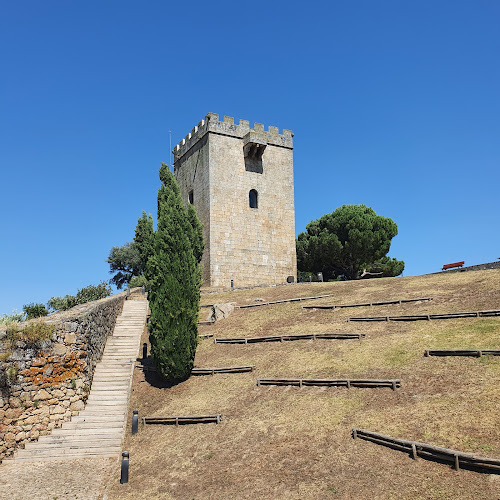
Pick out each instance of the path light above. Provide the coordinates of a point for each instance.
(124, 470)
(135, 421)
(144, 351)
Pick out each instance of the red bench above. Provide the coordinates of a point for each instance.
(451, 266)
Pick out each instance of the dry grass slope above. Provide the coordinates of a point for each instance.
(291, 443)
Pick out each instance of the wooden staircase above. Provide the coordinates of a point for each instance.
(99, 429)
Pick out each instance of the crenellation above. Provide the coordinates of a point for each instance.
(212, 124)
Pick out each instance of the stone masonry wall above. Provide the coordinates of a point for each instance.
(194, 176)
(43, 385)
(251, 245)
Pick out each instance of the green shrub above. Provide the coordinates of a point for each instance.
(32, 332)
(12, 336)
(35, 310)
(15, 317)
(36, 331)
(11, 374)
(4, 356)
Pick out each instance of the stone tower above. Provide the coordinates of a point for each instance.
(240, 180)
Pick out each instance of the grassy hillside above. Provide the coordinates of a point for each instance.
(291, 443)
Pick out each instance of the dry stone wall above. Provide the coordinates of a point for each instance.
(44, 384)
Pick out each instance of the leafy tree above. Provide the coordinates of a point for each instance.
(127, 261)
(174, 276)
(340, 243)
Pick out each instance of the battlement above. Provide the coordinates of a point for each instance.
(227, 127)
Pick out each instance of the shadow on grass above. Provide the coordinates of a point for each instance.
(155, 379)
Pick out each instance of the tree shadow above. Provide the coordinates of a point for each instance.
(155, 379)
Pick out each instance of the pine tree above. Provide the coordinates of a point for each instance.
(175, 279)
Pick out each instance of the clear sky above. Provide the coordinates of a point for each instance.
(394, 104)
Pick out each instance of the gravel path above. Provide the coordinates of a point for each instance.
(82, 479)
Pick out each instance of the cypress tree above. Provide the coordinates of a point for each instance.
(144, 238)
(175, 280)
(196, 233)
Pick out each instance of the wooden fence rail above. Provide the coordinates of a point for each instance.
(284, 338)
(183, 420)
(415, 449)
(418, 317)
(463, 352)
(205, 335)
(295, 299)
(229, 369)
(358, 382)
(206, 371)
(366, 304)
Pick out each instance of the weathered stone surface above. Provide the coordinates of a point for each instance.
(221, 311)
(70, 338)
(57, 409)
(14, 402)
(59, 349)
(12, 413)
(77, 405)
(42, 395)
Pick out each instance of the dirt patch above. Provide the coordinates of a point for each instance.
(291, 443)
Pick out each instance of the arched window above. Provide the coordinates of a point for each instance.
(253, 199)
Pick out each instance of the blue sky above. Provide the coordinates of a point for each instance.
(393, 104)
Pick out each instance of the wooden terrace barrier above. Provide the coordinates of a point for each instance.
(183, 420)
(418, 317)
(463, 352)
(206, 371)
(229, 369)
(283, 338)
(366, 304)
(295, 299)
(205, 335)
(415, 449)
(299, 382)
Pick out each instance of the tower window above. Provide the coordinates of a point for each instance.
(191, 197)
(253, 199)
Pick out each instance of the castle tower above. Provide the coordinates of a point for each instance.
(240, 180)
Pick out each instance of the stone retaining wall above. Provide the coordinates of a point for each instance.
(44, 384)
